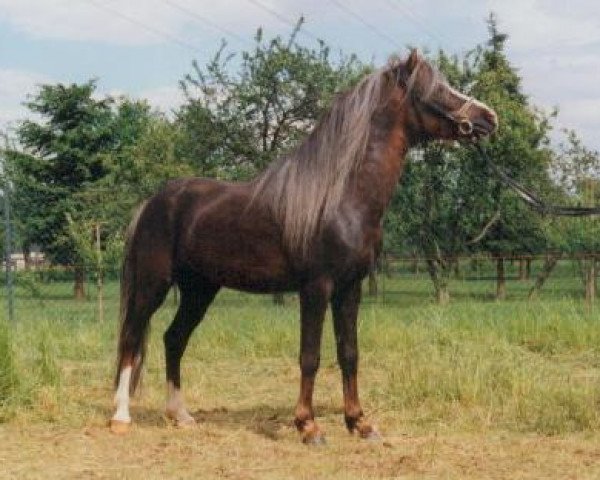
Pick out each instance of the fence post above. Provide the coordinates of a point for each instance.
(8, 251)
(100, 274)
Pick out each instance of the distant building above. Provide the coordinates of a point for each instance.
(17, 260)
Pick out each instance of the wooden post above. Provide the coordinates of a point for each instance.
(590, 282)
(501, 279)
(79, 287)
(100, 274)
(10, 294)
(522, 272)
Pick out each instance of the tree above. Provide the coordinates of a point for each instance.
(60, 157)
(235, 124)
(576, 169)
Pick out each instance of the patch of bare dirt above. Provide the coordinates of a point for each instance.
(261, 443)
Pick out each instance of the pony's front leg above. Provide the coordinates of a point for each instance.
(313, 304)
(344, 305)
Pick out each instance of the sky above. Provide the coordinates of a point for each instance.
(142, 48)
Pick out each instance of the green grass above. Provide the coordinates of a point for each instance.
(475, 364)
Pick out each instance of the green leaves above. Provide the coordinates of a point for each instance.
(235, 124)
(60, 157)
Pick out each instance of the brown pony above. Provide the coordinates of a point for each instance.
(309, 223)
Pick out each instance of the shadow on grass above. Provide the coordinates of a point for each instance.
(264, 420)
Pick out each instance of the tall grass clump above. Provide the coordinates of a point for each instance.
(30, 374)
(45, 365)
(486, 373)
(8, 374)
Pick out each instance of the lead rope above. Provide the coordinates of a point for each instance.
(531, 198)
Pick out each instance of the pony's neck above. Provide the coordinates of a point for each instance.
(383, 165)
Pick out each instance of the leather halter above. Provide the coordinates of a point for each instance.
(457, 117)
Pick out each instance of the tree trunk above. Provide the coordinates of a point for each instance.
(549, 264)
(443, 295)
(527, 268)
(440, 285)
(79, 287)
(522, 271)
(456, 267)
(500, 279)
(414, 268)
(26, 257)
(100, 287)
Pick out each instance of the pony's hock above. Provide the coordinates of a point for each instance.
(311, 223)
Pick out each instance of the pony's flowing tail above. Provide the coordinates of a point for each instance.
(133, 333)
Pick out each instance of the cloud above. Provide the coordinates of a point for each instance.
(93, 20)
(166, 99)
(581, 116)
(537, 24)
(15, 85)
(138, 22)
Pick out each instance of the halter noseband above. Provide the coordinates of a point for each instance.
(457, 117)
(465, 126)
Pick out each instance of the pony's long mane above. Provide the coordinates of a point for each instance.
(304, 188)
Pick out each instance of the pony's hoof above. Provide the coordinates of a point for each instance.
(185, 423)
(372, 436)
(311, 433)
(316, 439)
(119, 427)
(181, 419)
(366, 431)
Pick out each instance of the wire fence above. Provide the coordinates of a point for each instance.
(51, 290)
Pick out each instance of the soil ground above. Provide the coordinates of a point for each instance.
(261, 443)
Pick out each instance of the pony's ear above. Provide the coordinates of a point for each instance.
(413, 60)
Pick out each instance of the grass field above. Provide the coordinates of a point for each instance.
(477, 389)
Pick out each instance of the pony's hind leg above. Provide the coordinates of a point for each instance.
(195, 299)
(142, 305)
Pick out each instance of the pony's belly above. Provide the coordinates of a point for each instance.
(265, 286)
(248, 279)
(260, 267)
